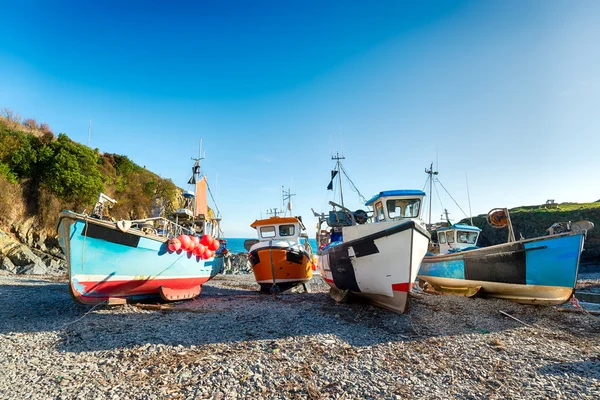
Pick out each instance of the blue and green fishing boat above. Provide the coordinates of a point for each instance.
(540, 270)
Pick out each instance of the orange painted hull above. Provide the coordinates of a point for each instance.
(288, 273)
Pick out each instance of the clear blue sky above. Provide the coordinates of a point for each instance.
(507, 92)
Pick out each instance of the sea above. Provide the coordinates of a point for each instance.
(236, 245)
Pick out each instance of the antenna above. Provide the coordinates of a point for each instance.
(469, 197)
(430, 172)
(200, 158)
(445, 214)
(273, 211)
(89, 132)
(342, 141)
(287, 196)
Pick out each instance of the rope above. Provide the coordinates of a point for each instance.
(84, 315)
(576, 304)
(84, 239)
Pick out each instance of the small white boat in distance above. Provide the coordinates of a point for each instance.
(377, 256)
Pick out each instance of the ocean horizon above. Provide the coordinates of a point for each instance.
(236, 245)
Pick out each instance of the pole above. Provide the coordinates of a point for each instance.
(430, 172)
(89, 132)
(469, 198)
(339, 169)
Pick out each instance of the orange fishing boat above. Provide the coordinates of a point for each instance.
(281, 257)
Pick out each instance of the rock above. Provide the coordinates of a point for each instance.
(24, 231)
(237, 264)
(8, 265)
(26, 262)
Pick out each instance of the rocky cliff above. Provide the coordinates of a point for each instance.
(532, 221)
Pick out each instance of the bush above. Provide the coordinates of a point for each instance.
(11, 202)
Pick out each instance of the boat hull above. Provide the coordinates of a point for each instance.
(379, 262)
(106, 264)
(534, 271)
(290, 262)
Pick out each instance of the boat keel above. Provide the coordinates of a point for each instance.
(169, 294)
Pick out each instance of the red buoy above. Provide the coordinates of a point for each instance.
(199, 249)
(206, 239)
(207, 254)
(185, 241)
(214, 245)
(174, 245)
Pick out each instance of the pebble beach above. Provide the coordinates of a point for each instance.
(232, 342)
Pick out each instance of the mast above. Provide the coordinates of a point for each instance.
(430, 172)
(287, 196)
(200, 198)
(339, 169)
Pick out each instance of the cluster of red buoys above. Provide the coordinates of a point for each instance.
(203, 247)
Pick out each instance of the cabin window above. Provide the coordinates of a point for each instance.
(379, 211)
(403, 208)
(286, 230)
(267, 231)
(450, 236)
(467, 237)
(442, 237)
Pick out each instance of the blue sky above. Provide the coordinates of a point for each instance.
(506, 92)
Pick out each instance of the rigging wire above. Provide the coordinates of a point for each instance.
(438, 181)
(425, 185)
(353, 185)
(213, 199)
(438, 196)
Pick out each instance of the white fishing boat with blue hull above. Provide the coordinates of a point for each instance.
(541, 270)
(376, 260)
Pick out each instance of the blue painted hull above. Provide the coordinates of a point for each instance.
(540, 271)
(105, 263)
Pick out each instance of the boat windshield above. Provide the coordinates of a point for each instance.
(403, 208)
(467, 237)
(267, 231)
(286, 230)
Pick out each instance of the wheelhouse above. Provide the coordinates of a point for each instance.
(457, 237)
(396, 204)
(278, 228)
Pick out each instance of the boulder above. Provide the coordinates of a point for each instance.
(236, 264)
(8, 265)
(25, 261)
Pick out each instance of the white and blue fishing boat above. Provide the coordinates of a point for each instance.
(131, 260)
(373, 256)
(540, 270)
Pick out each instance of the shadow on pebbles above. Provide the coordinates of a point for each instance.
(232, 342)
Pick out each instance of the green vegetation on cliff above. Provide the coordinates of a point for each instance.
(532, 221)
(41, 174)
